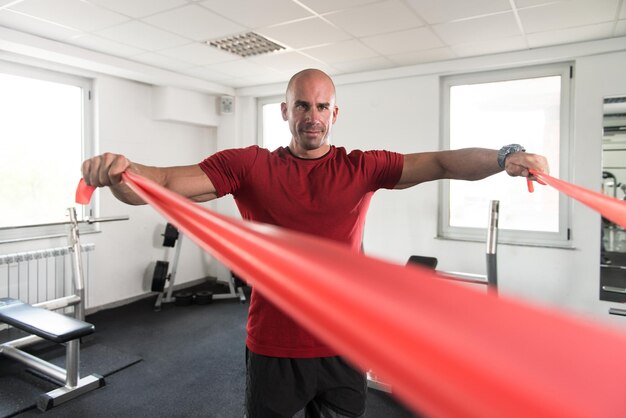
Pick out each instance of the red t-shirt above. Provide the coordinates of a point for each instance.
(328, 197)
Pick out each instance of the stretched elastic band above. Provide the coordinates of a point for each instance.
(609, 207)
(446, 350)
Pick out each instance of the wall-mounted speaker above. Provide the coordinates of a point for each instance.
(227, 104)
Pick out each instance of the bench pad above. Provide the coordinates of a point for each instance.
(46, 324)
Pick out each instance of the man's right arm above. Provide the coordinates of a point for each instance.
(106, 171)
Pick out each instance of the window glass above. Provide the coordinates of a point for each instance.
(274, 130)
(498, 109)
(43, 134)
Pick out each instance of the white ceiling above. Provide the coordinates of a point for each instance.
(338, 36)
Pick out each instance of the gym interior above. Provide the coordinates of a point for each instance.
(108, 309)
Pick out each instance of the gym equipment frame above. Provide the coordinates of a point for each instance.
(173, 238)
(42, 323)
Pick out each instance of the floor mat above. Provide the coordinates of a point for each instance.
(20, 387)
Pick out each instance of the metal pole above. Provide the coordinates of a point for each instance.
(179, 244)
(492, 243)
(50, 370)
(85, 221)
(72, 361)
(79, 310)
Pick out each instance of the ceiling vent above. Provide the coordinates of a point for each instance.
(246, 44)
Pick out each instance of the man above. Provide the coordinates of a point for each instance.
(313, 187)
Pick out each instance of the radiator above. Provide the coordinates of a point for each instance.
(38, 276)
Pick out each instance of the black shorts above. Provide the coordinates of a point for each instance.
(323, 387)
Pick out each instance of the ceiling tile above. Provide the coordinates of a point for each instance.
(240, 68)
(287, 62)
(26, 23)
(97, 43)
(342, 51)
(484, 28)
(5, 2)
(305, 33)
(325, 6)
(256, 14)
(438, 11)
(405, 41)
(141, 35)
(366, 64)
(206, 74)
(420, 57)
(161, 61)
(562, 15)
(139, 8)
(373, 19)
(199, 54)
(194, 22)
(492, 46)
(72, 13)
(268, 77)
(338, 36)
(529, 3)
(569, 35)
(239, 83)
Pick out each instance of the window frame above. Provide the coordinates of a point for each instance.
(559, 239)
(20, 233)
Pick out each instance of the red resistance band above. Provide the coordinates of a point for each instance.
(446, 350)
(611, 208)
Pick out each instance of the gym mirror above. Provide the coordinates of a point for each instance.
(613, 243)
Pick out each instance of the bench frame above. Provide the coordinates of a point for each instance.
(69, 378)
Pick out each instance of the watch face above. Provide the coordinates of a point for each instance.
(506, 150)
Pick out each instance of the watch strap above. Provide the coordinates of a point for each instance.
(506, 150)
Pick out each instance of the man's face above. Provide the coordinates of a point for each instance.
(310, 110)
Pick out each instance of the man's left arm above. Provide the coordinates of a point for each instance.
(465, 164)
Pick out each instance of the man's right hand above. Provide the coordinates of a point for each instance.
(105, 169)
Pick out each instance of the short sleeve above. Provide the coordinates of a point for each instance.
(228, 169)
(384, 168)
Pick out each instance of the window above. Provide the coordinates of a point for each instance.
(528, 106)
(273, 130)
(45, 132)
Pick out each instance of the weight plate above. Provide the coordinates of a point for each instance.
(159, 276)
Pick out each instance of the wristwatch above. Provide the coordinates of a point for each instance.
(506, 150)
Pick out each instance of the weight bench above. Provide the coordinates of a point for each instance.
(55, 327)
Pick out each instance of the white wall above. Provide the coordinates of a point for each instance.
(403, 115)
(392, 109)
(127, 250)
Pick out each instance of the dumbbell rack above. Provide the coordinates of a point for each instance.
(234, 292)
(172, 238)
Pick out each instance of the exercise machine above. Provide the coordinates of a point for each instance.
(42, 323)
(235, 290)
(173, 238)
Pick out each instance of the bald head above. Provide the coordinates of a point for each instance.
(310, 75)
(310, 110)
